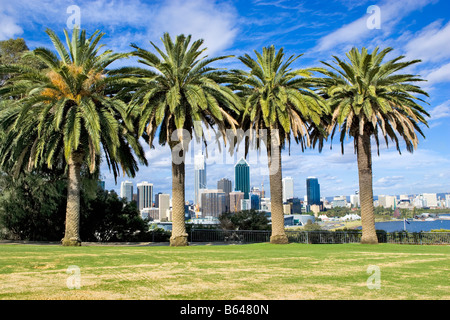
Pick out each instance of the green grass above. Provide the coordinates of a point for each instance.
(256, 271)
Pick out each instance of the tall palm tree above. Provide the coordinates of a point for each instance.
(65, 115)
(370, 100)
(281, 101)
(180, 90)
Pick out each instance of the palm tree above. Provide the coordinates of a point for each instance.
(65, 115)
(179, 91)
(370, 99)
(280, 101)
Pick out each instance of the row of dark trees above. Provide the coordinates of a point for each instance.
(70, 110)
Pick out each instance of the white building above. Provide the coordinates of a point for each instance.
(387, 201)
(126, 190)
(164, 206)
(288, 188)
(430, 199)
(339, 201)
(144, 195)
(447, 200)
(354, 200)
(200, 177)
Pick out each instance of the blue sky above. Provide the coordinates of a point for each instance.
(418, 29)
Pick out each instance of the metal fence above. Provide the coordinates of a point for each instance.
(316, 237)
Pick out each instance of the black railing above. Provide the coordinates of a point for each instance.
(316, 237)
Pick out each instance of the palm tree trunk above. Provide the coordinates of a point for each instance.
(72, 232)
(179, 235)
(276, 194)
(364, 154)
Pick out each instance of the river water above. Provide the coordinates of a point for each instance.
(413, 226)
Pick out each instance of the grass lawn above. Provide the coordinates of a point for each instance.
(232, 272)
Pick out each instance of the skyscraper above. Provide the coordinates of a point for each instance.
(225, 185)
(144, 195)
(313, 191)
(126, 190)
(235, 201)
(213, 203)
(163, 205)
(288, 188)
(200, 176)
(255, 201)
(242, 177)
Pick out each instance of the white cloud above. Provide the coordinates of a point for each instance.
(431, 44)
(8, 27)
(441, 111)
(438, 75)
(392, 12)
(215, 23)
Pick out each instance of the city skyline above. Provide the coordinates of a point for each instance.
(416, 29)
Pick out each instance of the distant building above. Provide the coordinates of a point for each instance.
(157, 199)
(200, 176)
(255, 201)
(313, 191)
(144, 195)
(430, 199)
(126, 190)
(101, 184)
(213, 203)
(242, 177)
(354, 200)
(163, 206)
(296, 205)
(226, 186)
(265, 204)
(387, 201)
(339, 201)
(235, 201)
(288, 188)
(150, 214)
(447, 200)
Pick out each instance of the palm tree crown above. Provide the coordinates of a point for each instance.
(370, 97)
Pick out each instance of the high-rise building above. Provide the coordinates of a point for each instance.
(255, 201)
(213, 203)
(235, 201)
(313, 191)
(144, 195)
(200, 176)
(163, 205)
(296, 205)
(242, 177)
(126, 190)
(157, 199)
(288, 188)
(447, 200)
(225, 185)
